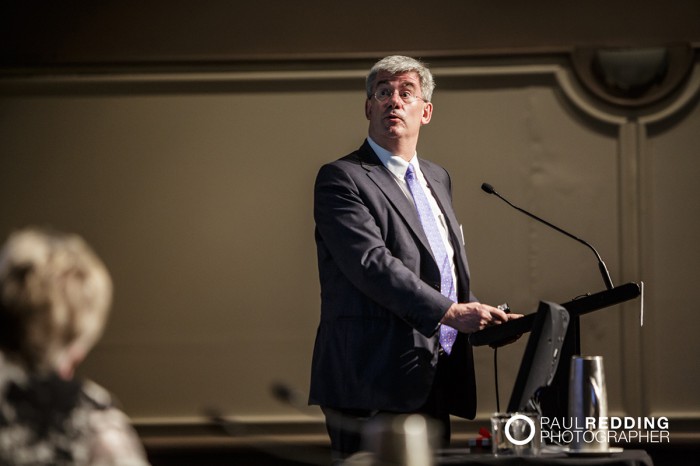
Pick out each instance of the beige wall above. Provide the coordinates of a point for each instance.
(197, 191)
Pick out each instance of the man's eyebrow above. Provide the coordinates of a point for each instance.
(402, 83)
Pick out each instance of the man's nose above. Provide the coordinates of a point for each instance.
(394, 100)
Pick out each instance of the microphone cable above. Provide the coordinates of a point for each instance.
(495, 376)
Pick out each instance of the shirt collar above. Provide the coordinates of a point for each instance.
(395, 164)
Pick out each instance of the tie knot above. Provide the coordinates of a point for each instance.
(410, 174)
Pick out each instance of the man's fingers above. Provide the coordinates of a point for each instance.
(498, 315)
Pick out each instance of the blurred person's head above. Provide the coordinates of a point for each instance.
(55, 294)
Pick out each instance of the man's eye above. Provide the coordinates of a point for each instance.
(406, 94)
(385, 93)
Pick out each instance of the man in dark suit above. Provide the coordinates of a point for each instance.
(393, 273)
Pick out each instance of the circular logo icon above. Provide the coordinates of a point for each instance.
(509, 436)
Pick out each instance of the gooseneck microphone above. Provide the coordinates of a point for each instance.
(601, 265)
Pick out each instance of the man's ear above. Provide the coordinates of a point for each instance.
(427, 113)
(368, 106)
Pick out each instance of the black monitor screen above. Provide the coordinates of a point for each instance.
(541, 357)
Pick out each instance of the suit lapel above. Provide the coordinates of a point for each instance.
(385, 181)
(441, 193)
(443, 197)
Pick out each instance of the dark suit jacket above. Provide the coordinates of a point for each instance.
(377, 345)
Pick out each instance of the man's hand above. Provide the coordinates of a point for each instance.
(471, 317)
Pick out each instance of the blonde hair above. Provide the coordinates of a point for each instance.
(55, 295)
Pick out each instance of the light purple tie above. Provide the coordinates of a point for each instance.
(430, 227)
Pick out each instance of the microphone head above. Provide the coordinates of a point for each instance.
(487, 188)
(282, 392)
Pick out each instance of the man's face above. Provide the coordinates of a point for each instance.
(394, 118)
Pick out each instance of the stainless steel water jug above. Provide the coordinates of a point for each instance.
(588, 404)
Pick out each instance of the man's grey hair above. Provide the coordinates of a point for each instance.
(396, 64)
(55, 295)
